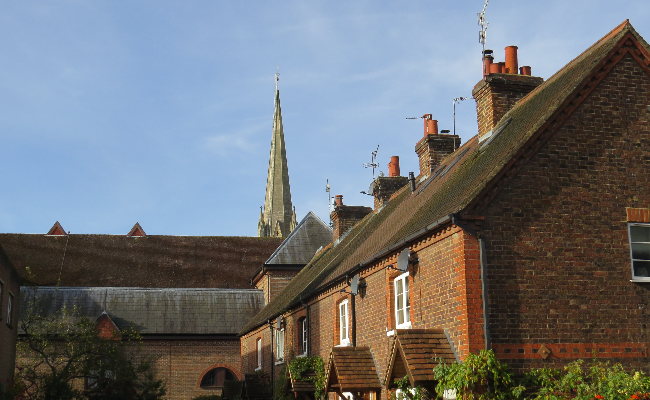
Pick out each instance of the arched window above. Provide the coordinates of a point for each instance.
(213, 379)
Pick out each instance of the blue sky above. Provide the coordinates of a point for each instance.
(160, 112)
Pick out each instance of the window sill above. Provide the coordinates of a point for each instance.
(344, 344)
(640, 280)
(404, 326)
(280, 362)
(390, 333)
(258, 369)
(301, 355)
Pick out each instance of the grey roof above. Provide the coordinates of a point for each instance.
(156, 311)
(303, 242)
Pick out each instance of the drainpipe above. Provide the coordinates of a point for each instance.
(353, 320)
(486, 314)
(272, 359)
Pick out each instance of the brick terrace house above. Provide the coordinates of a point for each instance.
(9, 303)
(531, 239)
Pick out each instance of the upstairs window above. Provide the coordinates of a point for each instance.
(640, 251)
(10, 305)
(304, 333)
(344, 330)
(279, 345)
(402, 302)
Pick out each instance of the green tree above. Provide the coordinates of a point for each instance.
(58, 351)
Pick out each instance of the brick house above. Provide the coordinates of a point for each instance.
(9, 303)
(532, 239)
(187, 295)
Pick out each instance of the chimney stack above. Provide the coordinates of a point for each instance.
(433, 147)
(345, 217)
(384, 187)
(502, 86)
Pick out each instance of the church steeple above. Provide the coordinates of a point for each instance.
(278, 216)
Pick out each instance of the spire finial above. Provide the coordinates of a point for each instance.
(277, 78)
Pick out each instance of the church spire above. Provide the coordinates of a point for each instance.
(278, 214)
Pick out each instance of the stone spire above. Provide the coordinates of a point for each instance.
(278, 216)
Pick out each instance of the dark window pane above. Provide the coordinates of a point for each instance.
(642, 268)
(640, 233)
(641, 251)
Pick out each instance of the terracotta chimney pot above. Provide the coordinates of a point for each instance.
(525, 70)
(338, 200)
(512, 64)
(393, 166)
(430, 125)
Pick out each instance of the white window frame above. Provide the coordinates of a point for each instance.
(305, 336)
(279, 346)
(406, 309)
(633, 260)
(10, 303)
(258, 343)
(344, 325)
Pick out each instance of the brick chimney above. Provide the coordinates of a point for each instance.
(434, 147)
(345, 217)
(385, 186)
(503, 85)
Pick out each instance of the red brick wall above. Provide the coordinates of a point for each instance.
(557, 239)
(10, 286)
(182, 363)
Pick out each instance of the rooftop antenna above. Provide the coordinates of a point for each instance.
(483, 34)
(329, 201)
(458, 100)
(372, 164)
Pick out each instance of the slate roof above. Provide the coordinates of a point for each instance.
(155, 311)
(149, 261)
(464, 177)
(301, 244)
(351, 369)
(415, 352)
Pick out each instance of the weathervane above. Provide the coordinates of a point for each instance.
(372, 164)
(483, 34)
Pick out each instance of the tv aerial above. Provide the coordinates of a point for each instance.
(482, 35)
(455, 101)
(329, 201)
(373, 162)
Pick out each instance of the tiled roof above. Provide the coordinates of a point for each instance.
(462, 182)
(155, 311)
(301, 244)
(351, 369)
(415, 352)
(149, 261)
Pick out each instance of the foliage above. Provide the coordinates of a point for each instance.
(207, 397)
(599, 381)
(281, 386)
(407, 392)
(481, 376)
(309, 369)
(58, 350)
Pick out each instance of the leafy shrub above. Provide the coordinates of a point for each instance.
(309, 369)
(481, 376)
(599, 381)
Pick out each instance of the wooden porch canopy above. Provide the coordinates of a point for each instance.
(351, 369)
(414, 353)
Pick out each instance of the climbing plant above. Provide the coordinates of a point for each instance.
(309, 369)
